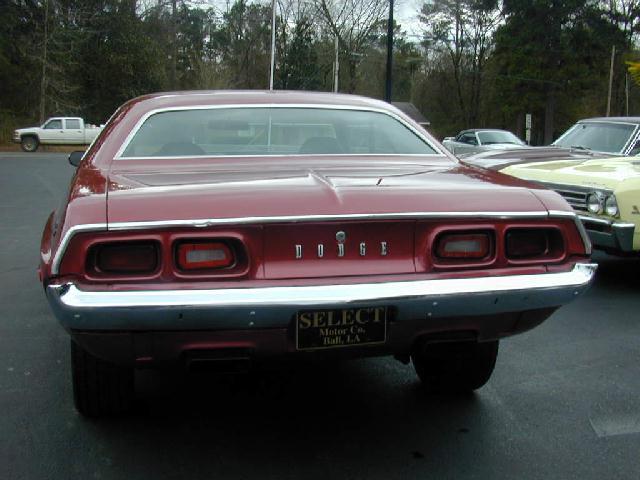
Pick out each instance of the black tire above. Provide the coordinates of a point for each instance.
(455, 367)
(29, 143)
(100, 388)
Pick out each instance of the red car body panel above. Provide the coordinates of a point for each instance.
(282, 188)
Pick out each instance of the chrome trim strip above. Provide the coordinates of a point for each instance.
(604, 221)
(210, 222)
(146, 116)
(295, 155)
(89, 227)
(71, 297)
(623, 225)
(601, 221)
(561, 213)
(588, 247)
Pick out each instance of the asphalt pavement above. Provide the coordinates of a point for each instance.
(564, 401)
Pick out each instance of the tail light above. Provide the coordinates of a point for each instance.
(533, 243)
(204, 256)
(462, 246)
(124, 258)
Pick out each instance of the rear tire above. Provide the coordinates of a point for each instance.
(29, 143)
(455, 367)
(99, 387)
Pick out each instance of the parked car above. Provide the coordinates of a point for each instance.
(56, 131)
(591, 138)
(481, 140)
(605, 193)
(613, 135)
(226, 229)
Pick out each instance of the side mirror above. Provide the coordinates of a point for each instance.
(75, 158)
(448, 139)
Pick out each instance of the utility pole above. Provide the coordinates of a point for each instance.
(389, 82)
(273, 43)
(43, 79)
(336, 67)
(626, 92)
(173, 66)
(613, 54)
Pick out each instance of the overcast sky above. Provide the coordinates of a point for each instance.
(405, 12)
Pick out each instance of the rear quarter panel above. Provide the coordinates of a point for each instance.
(84, 204)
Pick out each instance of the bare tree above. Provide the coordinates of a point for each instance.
(63, 32)
(43, 78)
(625, 15)
(462, 30)
(352, 22)
(483, 18)
(293, 11)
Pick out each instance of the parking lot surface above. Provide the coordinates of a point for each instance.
(564, 401)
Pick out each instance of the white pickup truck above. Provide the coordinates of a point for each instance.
(57, 131)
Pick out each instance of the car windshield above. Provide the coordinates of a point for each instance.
(599, 136)
(487, 138)
(272, 131)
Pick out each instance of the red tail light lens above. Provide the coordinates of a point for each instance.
(463, 246)
(533, 243)
(125, 258)
(204, 256)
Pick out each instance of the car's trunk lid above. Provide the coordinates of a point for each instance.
(304, 188)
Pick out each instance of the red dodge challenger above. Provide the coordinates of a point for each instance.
(227, 229)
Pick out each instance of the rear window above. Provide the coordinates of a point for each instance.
(272, 131)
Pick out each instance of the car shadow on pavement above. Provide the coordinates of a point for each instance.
(355, 413)
(617, 272)
(310, 392)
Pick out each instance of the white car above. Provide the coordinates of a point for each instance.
(57, 131)
(480, 140)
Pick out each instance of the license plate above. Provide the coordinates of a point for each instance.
(346, 327)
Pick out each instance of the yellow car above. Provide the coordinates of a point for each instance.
(605, 193)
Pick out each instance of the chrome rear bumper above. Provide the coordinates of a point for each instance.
(274, 307)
